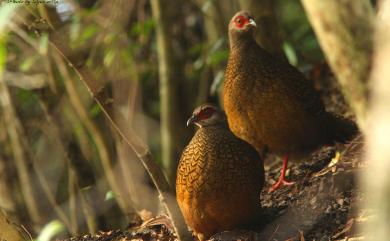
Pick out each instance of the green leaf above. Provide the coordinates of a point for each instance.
(217, 45)
(109, 57)
(143, 28)
(218, 56)
(3, 54)
(50, 230)
(88, 33)
(109, 195)
(197, 49)
(198, 64)
(43, 44)
(217, 53)
(218, 79)
(75, 29)
(290, 53)
(86, 188)
(206, 6)
(27, 63)
(95, 110)
(29, 101)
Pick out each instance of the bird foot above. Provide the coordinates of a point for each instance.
(279, 184)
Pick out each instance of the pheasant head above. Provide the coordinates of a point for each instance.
(241, 26)
(207, 115)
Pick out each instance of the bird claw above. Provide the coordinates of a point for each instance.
(279, 184)
(281, 181)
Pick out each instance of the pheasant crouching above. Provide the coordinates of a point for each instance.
(219, 177)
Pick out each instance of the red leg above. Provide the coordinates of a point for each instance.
(281, 181)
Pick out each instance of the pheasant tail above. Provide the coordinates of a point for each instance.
(341, 129)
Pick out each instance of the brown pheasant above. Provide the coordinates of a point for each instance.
(219, 177)
(270, 104)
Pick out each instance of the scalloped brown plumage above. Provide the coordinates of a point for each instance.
(270, 103)
(219, 177)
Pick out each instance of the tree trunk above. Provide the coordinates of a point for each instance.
(267, 33)
(170, 74)
(344, 30)
(376, 180)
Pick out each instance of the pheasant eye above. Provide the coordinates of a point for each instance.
(206, 113)
(240, 21)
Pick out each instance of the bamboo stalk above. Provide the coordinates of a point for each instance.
(170, 66)
(14, 128)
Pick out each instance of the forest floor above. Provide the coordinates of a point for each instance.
(322, 205)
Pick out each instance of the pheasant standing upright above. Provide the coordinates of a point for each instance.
(219, 177)
(270, 104)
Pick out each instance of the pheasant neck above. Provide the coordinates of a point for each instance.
(217, 124)
(241, 42)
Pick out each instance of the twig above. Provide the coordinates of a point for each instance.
(26, 232)
(50, 197)
(72, 179)
(273, 234)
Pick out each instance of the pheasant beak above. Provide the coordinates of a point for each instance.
(191, 120)
(252, 22)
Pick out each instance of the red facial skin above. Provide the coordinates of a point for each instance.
(240, 21)
(205, 113)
